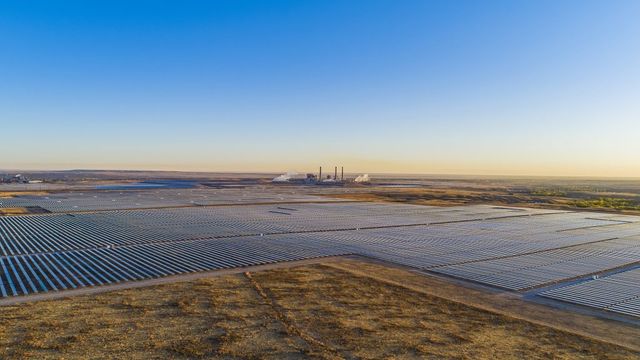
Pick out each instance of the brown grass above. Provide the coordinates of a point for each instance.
(10, 194)
(489, 195)
(14, 211)
(315, 311)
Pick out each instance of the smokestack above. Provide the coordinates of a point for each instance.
(335, 174)
(320, 175)
(342, 173)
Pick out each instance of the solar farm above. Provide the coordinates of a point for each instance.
(98, 238)
(111, 200)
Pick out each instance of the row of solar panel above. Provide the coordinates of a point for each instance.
(104, 200)
(29, 274)
(619, 293)
(50, 233)
(533, 270)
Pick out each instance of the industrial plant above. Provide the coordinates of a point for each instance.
(318, 179)
(18, 179)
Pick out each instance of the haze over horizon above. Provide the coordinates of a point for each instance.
(546, 88)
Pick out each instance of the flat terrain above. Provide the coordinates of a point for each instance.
(612, 195)
(326, 311)
(445, 281)
(517, 249)
(618, 196)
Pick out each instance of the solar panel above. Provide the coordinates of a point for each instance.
(509, 248)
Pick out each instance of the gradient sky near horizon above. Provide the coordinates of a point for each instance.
(544, 87)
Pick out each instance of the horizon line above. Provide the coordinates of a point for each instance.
(382, 173)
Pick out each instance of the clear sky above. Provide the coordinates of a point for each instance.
(532, 87)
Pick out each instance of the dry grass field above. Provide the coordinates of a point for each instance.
(324, 311)
(14, 211)
(608, 200)
(10, 194)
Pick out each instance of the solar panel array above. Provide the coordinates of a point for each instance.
(141, 199)
(34, 273)
(62, 251)
(619, 293)
(59, 232)
(532, 270)
(505, 247)
(469, 250)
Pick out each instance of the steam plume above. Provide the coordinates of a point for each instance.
(362, 178)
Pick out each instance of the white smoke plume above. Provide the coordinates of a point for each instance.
(284, 177)
(363, 178)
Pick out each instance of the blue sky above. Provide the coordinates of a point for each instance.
(460, 87)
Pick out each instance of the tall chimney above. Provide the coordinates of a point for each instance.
(320, 175)
(335, 174)
(342, 173)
